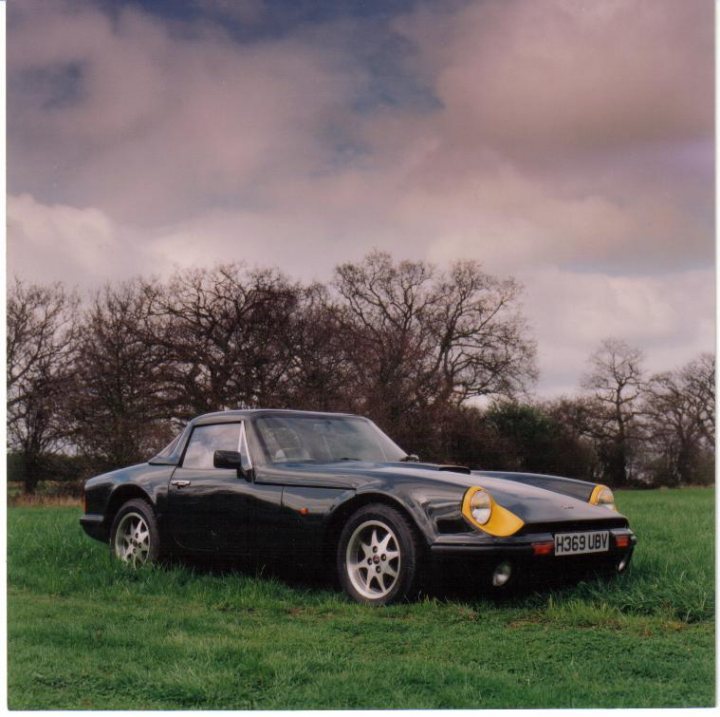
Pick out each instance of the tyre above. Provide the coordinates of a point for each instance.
(379, 556)
(134, 536)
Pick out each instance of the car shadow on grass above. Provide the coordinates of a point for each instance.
(442, 583)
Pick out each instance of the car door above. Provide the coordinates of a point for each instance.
(214, 509)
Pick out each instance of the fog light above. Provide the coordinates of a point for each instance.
(502, 574)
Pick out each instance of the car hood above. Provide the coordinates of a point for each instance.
(533, 498)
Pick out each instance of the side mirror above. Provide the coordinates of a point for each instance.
(230, 459)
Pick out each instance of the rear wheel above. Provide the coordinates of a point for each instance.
(378, 556)
(134, 536)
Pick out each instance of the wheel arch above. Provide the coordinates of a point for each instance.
(345, 510)
(121, 495)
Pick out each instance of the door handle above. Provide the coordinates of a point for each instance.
(180, 483)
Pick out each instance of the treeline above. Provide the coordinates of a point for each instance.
(441, 360)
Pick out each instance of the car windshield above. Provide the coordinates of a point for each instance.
(170, 448)
(323, 439)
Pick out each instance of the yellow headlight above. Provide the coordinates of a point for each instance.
(602, 495)
(481, 507)
(481, 511)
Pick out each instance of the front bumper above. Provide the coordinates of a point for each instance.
(477, 556)
(94, 525)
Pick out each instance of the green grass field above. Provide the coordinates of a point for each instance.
(86, 633)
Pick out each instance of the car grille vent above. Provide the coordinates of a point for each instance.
(455, 469)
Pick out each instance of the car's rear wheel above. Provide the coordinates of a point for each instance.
(378, 556)
(134, 536)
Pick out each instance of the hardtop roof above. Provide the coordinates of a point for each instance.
(234, 414)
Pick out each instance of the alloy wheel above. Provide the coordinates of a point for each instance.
(132, 539)
(373, 559)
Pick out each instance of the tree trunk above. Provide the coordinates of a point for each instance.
(31, 473)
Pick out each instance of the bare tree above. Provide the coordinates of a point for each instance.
(319, 375)
(680, 408)
(418, 339)
(616, 382)
(698, 378)
(387, 339)
(228, 337)
(41, 333)
(119, 410)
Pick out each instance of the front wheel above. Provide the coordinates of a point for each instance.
(378, 556)
(134, 536)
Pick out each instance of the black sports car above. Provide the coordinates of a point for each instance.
(327, 489)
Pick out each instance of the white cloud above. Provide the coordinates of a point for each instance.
(671, 317)
(61, 243)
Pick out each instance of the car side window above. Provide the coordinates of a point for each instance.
(205, 440)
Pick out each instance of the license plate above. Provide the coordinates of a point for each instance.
(576, 543)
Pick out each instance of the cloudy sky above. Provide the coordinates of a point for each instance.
(568, 143)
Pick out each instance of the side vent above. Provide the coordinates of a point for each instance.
(455, 469)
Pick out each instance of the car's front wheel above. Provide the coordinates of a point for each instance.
(134, 536)
(378, 556)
